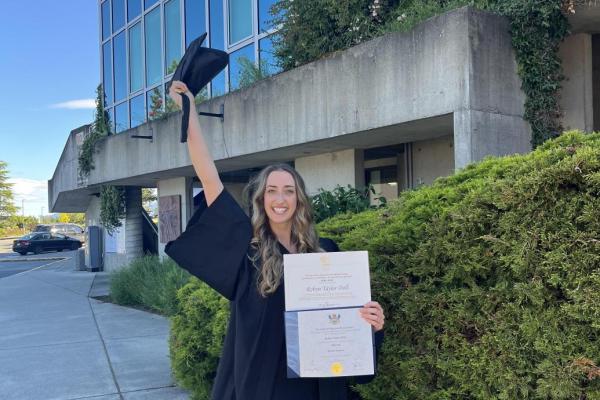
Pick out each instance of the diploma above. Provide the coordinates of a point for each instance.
(326, 280)
(328, 343)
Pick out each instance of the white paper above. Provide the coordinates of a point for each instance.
(334, 343)
(326, 280)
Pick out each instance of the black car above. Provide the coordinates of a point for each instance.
(37, 242)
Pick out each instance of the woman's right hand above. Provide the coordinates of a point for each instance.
(178, 89)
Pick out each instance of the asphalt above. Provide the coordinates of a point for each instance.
(58, 343)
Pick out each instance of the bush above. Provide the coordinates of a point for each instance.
(150, 283)
(490, 279)
(197, 333)
(328, 203)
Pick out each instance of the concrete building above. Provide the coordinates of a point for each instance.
(396, 112)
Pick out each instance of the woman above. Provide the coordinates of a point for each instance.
(242, 260)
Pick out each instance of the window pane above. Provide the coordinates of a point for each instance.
(149, 3)
(217, 34)
(264, 15)
(134, 8)
(107, 72)
(118, 14)
(155, 103)
(218, 85)
(241, 63)
(120, 66)
(153, 57)
(138, 112)
(111, 121)
(121, 118)
(195, 20)
(105, 19)
(268, 62)
(172, 35)
(136, 73)
(240, 20)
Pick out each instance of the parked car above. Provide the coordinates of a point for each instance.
(71, 230)
(37, 242)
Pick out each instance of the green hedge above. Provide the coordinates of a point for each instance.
(197, 333)
(149, 283)
(490, 280)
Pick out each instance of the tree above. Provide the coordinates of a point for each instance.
(7, 207)
(72, 218)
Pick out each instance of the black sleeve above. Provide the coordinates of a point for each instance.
(214, 245)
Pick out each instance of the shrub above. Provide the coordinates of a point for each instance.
(328, 203)
(197, 333)
(150, 283)
(490, 279)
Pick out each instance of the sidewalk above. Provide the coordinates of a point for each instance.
(58, 344)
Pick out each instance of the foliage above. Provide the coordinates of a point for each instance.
(7, 207)
(73, 218)
(149, 200)
(328, 203)
(490, 279)
(311, 29)
(112, 207)
(251, 73)
(197, 333)
(100, 128)
(150, 283)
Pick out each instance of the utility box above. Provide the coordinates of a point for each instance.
(94, 245)
(80, 260)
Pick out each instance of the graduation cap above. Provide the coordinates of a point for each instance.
(198, 66)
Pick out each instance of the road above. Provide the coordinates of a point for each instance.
(12, 263)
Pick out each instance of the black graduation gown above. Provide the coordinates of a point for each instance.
(253, 366)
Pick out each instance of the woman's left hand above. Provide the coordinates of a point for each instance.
(373, 314)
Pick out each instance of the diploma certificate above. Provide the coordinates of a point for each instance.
(326, 280)
(328, 343)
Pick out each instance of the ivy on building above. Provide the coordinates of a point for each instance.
(310, 29)
(100, 128)
(112, 207)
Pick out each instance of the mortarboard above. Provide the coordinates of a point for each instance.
(198, 66)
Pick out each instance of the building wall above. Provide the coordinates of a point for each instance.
(596, 80)
(431, 159)
(328, 170)
(576, 97)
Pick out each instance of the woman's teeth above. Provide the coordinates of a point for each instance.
(279, 210)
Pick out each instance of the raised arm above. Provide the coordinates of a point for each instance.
(202, 160)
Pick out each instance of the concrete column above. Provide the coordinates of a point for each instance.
(576, 97)
(328, 170)
(92, 217)
(176, 186)
(478, 134)
(596, 79)
(134, 241)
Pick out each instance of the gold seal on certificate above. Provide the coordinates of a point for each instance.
(325, 335)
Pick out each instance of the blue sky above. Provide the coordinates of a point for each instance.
(48, 60)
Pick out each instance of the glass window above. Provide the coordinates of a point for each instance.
(149, 3)
(155, 103)
(136, 58)
(268, 62)
(153, 56)
(264, 15)
(118, 14)
(138, 110)
(134, 8)
(195, 20)
(240, 20)
(107, 73)
(217, 36)
(384, 181)
(105, 19)
(121, 118)
(172, 35)
(241, 64)
(120, 68)
(111, 121)
(218, 85)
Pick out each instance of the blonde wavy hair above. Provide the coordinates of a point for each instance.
(267, 257)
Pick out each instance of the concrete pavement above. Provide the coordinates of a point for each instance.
(56, 343)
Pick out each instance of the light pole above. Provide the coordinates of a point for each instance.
(23, 214)
(42, 215)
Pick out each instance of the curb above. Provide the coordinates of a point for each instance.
(34, 259)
